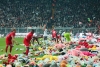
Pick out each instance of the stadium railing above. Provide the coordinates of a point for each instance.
(40, 31)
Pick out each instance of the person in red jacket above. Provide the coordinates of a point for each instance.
(54, 35)
(10, 40)
(59, 38)
(27, 41)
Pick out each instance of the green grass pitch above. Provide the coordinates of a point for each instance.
(20, 41)
(3, 45)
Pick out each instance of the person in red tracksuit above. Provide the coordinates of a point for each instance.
(59, 38)
(27, 41)
(54, 35)
(10, 40)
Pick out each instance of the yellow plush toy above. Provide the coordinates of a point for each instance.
(44, 57)
(1, 65)
(40, 49)
(50, 57)
(93, 48)
(50, 47)
(53, 58)
(86, 57)
(39, 58)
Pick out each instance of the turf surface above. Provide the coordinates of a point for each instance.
(20, 41)
(3, 45)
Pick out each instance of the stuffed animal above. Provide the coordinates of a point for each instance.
(8, 65)
(32, 62)
(2, 57)
(63, 63)
(87, 53)
(75, 52)
(40, 49)
(98, 48)
(11, 59)
(1, 65)
(89, 66)
(40, 65)
(93, 48)
(59, 46)
(50, 57)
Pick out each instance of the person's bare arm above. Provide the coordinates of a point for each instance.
(14, 41)
(44, 27)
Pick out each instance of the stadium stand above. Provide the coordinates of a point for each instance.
(66, 13)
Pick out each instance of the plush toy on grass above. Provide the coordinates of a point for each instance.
(50, 57)
(2, 57)
(59, 46)
(75, 52)
(1, 50)
(93, 47)
(63, 63)
(1, 65)
(40, 48)
(11, 59)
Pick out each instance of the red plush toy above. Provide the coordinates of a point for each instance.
(85, 44)
(11, 59)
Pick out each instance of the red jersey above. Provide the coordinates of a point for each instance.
(58, 36)
(54, 34)
(10, 35)
(28, 37)
(9, 38)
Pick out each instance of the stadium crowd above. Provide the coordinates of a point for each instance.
(30, 13)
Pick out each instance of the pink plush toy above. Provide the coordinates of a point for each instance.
(89, 37)
(40, 65)
(98, 48)
(76, 52)
(98, 39)
(32, 62)
(88, 53)
(1, 56)
(59, 46)
(82, 53)
(65, 56)
(60, 58)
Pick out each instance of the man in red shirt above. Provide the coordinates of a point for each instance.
(27, 41)
(10, 40)
(54, 35)
(59, 38)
